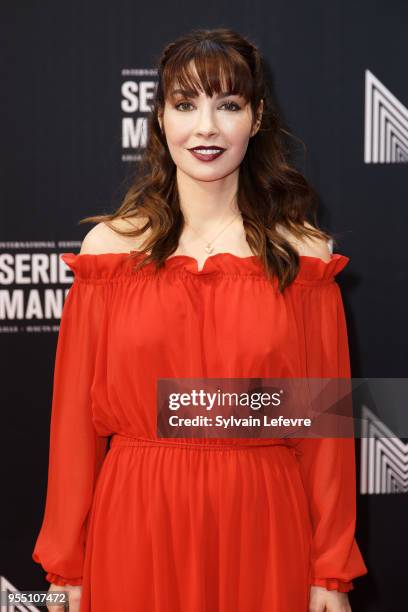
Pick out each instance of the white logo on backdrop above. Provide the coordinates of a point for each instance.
(384, 458)
(34, 283)
(137, 94)
(386, 124)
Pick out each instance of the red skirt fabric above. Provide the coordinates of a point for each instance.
(178, 528)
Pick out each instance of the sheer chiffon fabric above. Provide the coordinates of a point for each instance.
(203, 524)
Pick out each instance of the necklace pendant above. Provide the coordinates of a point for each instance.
(209, 249)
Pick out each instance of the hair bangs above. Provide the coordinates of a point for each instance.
(210, 68)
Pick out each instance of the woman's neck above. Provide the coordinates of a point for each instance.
(207, 205)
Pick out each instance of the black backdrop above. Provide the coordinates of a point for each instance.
(71, 135)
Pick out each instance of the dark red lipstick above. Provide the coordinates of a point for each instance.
(204, 153)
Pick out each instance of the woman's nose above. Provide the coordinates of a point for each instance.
(206, 123)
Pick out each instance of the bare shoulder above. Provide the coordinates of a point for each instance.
(102, 238)
(311, 247)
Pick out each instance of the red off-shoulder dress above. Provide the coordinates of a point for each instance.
(193, 525)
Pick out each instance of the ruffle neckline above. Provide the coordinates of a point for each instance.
(111, 266)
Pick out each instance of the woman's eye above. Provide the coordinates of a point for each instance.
(231, 106)
(181, 104)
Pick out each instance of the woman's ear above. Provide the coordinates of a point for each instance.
(160, 120)
(258, 121)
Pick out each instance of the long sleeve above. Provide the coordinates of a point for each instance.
(327, 465)
(76, 451)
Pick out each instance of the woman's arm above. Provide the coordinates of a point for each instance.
(327, 465)
(76, 451)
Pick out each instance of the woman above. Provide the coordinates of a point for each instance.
(208, 269)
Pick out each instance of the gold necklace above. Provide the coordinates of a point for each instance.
(208, 245)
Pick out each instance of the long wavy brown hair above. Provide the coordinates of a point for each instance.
(270, 190)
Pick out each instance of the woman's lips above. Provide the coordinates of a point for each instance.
(206, 156)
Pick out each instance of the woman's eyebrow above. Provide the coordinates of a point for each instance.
(193, 94)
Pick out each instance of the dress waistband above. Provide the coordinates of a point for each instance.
(206, 444)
